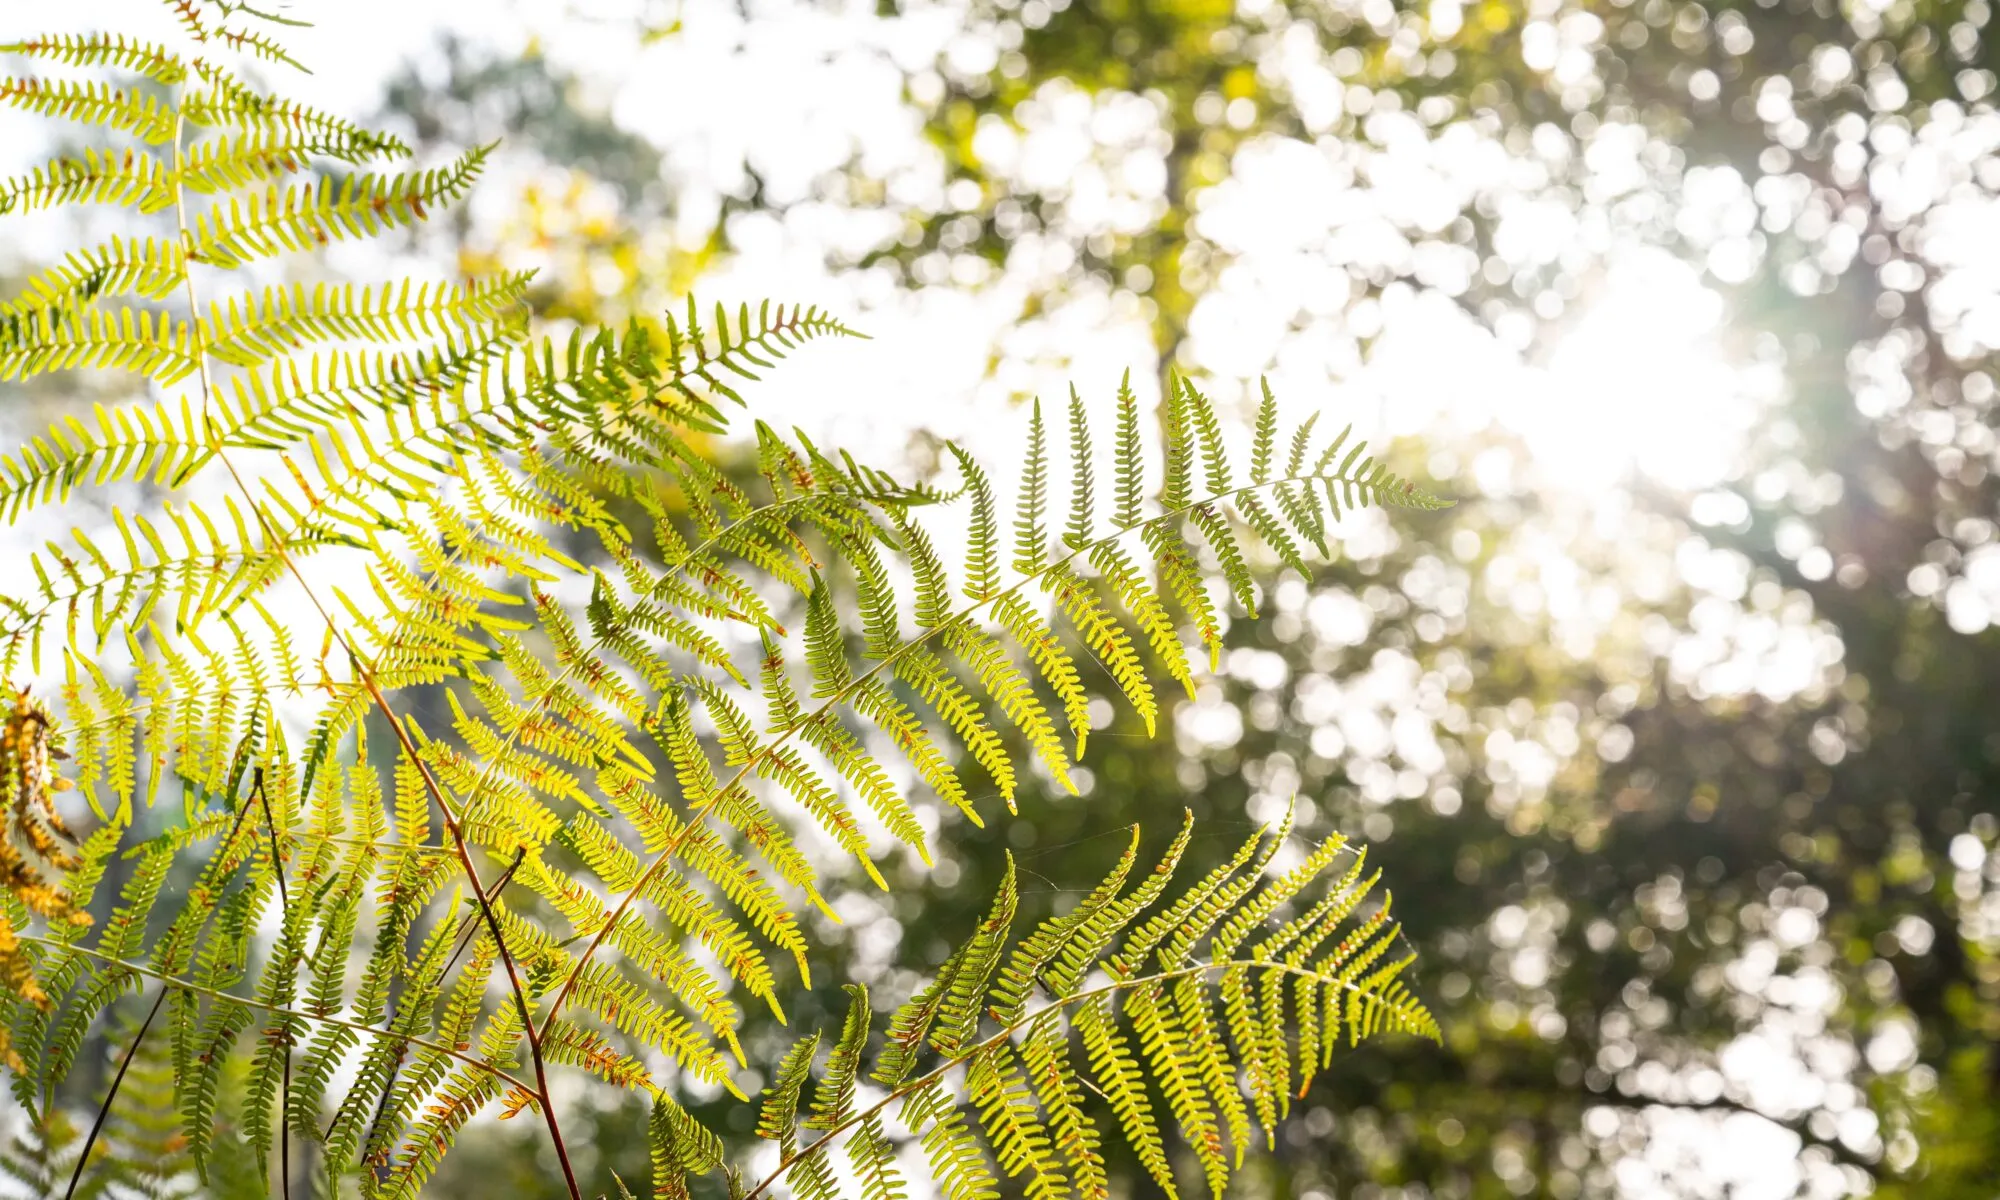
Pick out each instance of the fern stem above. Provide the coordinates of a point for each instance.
(1008, 1031)
(697, 816)
(285, 912)
(459, 846)
(369, 843)
(117, 1081)
(464, 854)
(178, 984)
(465, 942)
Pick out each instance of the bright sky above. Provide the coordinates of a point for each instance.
(1635, 383)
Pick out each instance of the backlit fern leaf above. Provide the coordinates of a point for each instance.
(134, 112)
(226, 102)
(113, 50)
(129, 177)
(1160, 1025)
(307, 216)
(282, 320)
(124, 339)
(147, 266)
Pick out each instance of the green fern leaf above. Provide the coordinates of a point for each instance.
(1083, 471)
(124, 339)
(1130, 471)
(130, 178)
(113, 50)
(148, 267)
(1180, 1029)
(1031, 539)
(283, 320)
(311, 215)
(680, 1146)
(133, 112)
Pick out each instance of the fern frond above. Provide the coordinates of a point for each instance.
(680, 1146)
(128, 177)
(1031, 539)
(697, 355)
(1157, 1025)
(1080, 602)
(123, 339)
(197, 565)
(307, 216)
(113, 50)
(257, 44)
(600, 753)
(148, 267)
(282, 320)
(135, 112)
(229, 103)
(232, 162)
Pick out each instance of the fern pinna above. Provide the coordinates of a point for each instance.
(649, 699)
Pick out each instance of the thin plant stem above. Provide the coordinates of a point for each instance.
(117, 1081)
(285, 911)
(465, 942)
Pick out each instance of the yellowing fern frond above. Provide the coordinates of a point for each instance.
(1175, 1017)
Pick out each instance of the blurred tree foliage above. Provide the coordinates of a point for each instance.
(1691, 869)
(590, 207)
(1645, 899)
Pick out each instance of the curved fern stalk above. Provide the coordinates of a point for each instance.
(1165, 1021)
(111, 1093)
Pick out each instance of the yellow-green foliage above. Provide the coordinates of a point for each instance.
(378, 927)
(1204, 996)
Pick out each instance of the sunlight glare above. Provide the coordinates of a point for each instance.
(1639, 383)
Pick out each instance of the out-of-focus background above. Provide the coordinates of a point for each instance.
(1678, 738)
